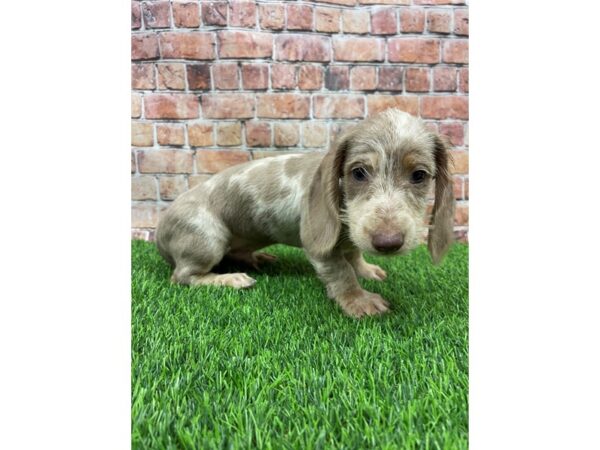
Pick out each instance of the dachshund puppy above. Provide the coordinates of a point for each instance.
(368, 193)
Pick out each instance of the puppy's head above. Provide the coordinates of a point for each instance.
(376, 180)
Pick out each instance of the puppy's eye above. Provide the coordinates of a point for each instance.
(418, 176)
(360, 174)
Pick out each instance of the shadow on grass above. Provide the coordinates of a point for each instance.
(288, 264)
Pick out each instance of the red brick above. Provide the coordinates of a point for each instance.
(355, 21)
(466, 188)
(439, 22)
(261, 154)
(258, 134)
(384, 2)
(444, 79)
(314, 134)
(200, 134)
(142, 134)
(299, 17)
(141, 234)
(171, 187)
(339, 106)
(136, 15)
(358, 49)
(310, 77)
(456, 51)
(165, 161)
(458, 187)
(133, 163)
(337, 78)
(255, 76)
(229, 134)
(272, 16)
(327, 20)
(245, 44)
(337, 129)
(414, 50)
(283, 76)
(390, 78)
(192, 45)
(286, 134)
(460, 161)
(186, 15)
(228, 106)
(412, 20)
(464, 80)
(136, 105)
(171, 76)
(377, 103)
(143, 187)
(144, 46)
(171, 106)
(431, 126)
(439, 2)
(170, 134)
(214, 13)
(211, 161)
(198, 76)
(363, 78)
(144, 215)
(340, 2)
(445, 107)
(283, 106)
(454, 131)
(242, 14)
(226, 76)
(302, 47)
(383, 21)
(461, 22)
(461, 214)
(417, 79)
(195, 180)
(142, 76)
(157, 14)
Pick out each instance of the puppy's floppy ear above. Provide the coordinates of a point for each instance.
(441, 233)
(321, 224)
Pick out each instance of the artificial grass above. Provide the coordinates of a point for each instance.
(279, 366)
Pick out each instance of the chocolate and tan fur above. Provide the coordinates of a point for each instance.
(368, 193)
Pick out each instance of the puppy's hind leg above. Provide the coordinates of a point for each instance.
(235, 280)
(197, 253)
(189, 272)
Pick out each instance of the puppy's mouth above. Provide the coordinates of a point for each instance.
(387, 253)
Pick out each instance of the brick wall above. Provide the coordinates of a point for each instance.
(218, 83)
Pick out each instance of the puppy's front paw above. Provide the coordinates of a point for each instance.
(363, 303)
(372, 272)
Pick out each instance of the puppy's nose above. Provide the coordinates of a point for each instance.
(387, 243)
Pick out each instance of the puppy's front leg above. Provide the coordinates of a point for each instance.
(363, 268)
(340, 279)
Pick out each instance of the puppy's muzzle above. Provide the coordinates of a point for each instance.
(387, 243)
